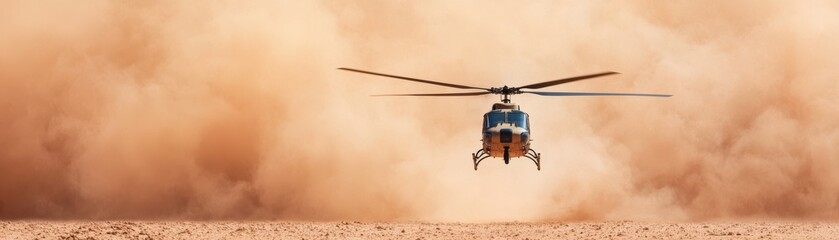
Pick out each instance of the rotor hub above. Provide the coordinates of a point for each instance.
(505, 92)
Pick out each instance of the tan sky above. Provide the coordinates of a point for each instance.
(233, 110)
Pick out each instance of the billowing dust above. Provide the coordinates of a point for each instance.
(234, 110)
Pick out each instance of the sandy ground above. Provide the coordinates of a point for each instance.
(378, 230)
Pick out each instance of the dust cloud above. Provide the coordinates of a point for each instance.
(234, 110)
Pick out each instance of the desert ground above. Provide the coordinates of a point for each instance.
(389, 230)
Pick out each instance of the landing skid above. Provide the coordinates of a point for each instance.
(535, 157)
(480, 155)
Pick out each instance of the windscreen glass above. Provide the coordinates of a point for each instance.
(518, 118)
(494, 118)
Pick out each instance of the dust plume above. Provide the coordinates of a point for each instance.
(233, 110)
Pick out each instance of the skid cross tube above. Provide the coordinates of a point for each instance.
(480, 155)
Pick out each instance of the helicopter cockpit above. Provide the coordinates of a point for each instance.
(514, 117)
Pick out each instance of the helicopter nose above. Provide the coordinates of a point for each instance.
(506, 135)
(524, 137)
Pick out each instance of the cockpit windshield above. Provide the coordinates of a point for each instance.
(518, 118)
(494, 118)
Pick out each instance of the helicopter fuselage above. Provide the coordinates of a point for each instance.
(506, 132)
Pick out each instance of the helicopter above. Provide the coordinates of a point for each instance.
(506, 129)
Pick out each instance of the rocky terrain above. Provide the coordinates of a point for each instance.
(407, 230)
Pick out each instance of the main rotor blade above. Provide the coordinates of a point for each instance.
(565, 80)
(596, 94)
(433, 94)
(413, 79)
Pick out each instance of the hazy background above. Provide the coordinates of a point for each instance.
(233, 110)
